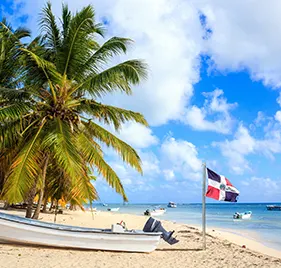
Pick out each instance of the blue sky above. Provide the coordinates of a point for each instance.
(213, 94)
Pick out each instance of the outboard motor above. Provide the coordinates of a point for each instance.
(147, 212)
(155, 226)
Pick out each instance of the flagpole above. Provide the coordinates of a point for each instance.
(204, 206)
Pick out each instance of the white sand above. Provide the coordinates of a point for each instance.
(221, 250)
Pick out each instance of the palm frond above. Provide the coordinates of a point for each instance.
(75, 48)
(12, 94)
(66, 18)
(10, 134)
(50, 28)
(52, 76)
(126, 152)
(61, 141)
(107, 173)
(24, 169)
(103, 54)
(120, 76)
(109, 114)
(94, 157)
(14, 111)
(83, 190)
(22, 32)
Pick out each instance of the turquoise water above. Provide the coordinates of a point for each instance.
(265, 224)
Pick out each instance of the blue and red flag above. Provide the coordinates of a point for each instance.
(220, 188)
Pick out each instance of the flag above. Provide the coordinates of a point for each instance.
(220, 188)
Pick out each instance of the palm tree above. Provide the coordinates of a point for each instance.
(10, 74)
(56, 114)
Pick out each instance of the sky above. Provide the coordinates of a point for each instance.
(212, 94)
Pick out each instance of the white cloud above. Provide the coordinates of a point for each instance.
(137, 135)
(181, 156)
(258, 188)
(150, 164)
(278, 116)
(169, 39)
(245, 35)
(236, 149)
(215, 106)
(243, 144)
(261, 118)
(169, 174)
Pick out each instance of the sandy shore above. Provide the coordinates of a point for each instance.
(224, 249)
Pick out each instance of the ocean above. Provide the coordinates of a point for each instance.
(265, 226)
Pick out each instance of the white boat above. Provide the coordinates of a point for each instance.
(242, 216)
(155, 212)
(113, 209)
(21, 230)
(172, 205)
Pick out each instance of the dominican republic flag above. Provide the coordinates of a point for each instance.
(220, 188)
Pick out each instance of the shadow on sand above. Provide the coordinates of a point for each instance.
(179, 249)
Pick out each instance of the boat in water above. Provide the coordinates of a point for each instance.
(16, 229)
(273, 207)
(242, 216)
(113, 209)
(154, 212)
(172, 205)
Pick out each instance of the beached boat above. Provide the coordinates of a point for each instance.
(242, 216)
(21, 230)
(113, 209)
(172, 205)
(273, 207)
(155, 212)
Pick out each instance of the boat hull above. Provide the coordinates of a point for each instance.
(242, 216)
(172, 205)
(272, 207)
(156, 213)
(97, 239)
(113, 209)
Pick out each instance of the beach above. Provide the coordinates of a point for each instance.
(224, 248)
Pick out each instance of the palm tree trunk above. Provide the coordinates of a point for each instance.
(56, 212)
(46, 197)
(6, 206)
(41, 193)
(45, 203)
(38, 208)
(30, 199)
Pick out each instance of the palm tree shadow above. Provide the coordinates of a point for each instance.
(179, 249)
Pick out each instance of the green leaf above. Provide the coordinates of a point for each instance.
(127, 153)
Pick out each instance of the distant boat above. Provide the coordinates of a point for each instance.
(172, 205)
(113, 209)
(273, 207)
(27, 231)
(242, 216)
(155, 212)
(104, 205)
